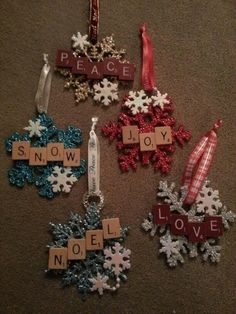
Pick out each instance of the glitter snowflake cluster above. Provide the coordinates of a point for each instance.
(52, 178)
(146, 112)
(176, 247)
(100, 270)
(105, 91)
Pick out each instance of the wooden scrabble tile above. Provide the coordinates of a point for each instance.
(110, 66)
(64, 58)
(130, 134)
(111, 228)
(163, 135)
(213, 226)
(178, 224)
(55, 152)
(76, 249)
(147, 141)
(38, 156)
(57, 258)
(196, 232)
(94, 240)
(71, 157)
(126, 71)
(20, 150)
(161, 214)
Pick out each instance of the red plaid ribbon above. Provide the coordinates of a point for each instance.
(201, 155)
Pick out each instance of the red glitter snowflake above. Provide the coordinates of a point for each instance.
(129, 155)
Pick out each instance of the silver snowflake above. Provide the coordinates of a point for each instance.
(35, 128)
(138, 102)
(160, 100)
(211, 251)
(105, 91)
(80, 41)
(100, 283)
(61, 179)
(117, 258)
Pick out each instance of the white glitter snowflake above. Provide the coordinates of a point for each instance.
(61, 179)
(100, 283)
(138, 102)
(160, 100)
(208, 201)
(117, 258)
(80, 41)
(169, 247)
(35, 128)
(211, 251)
(105, 91)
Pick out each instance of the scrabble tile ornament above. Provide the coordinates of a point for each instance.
(191, 221)
(44, 155)
(145, 130)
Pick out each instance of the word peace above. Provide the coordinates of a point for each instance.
(196, 231)
(95, 70)
(39, 156)
(148, 141)
(76, 248)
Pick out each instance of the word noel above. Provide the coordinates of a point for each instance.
(95, 70)
(39, 156)
(76, 248)
(179, 224)
(148, 141)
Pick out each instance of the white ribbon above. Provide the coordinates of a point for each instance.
(44, 86)
(93, 161)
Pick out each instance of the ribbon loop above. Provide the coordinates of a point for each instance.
(93, 161)
(44, 86)
(202, 155)
(93, 21)
(147, 75)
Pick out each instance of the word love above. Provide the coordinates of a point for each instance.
(76, 248)
(196, 231)
(148, 141)
(95, 70)
(39, 156)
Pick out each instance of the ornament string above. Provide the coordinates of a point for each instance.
(201, 157)
(147, 75)
(93, 21)
(44, 86)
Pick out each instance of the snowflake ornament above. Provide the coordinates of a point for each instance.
(105, 92)
(52, 178)
(176, 247)
(35, 128)
(99, 88)
(101, 270)
(140, 109)
(160, 100)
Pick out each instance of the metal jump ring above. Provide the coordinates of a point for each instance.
(86, 201)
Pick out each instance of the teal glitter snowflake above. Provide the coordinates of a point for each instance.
(40, 132)
(100, 270)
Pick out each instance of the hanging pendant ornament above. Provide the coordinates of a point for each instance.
(191, 221)
(45, 156)
(94, 67)
(145, 130)
(87, 252)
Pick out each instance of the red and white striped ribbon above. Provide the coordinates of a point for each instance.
(201, 155)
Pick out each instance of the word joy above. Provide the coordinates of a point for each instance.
(148, 141)
(95, 70)
(39, 156)
(76, 248)
(179, 224)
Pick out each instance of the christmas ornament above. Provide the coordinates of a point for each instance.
(191, 221)
(145, 130)
(94, 67)
(45, 156)
(88, 252)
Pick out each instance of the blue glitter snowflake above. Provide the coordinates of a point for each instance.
(42, 131)
(100, 270)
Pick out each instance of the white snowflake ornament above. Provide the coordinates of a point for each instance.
(208, 201)
(35, 128)
(105, 92)
(138, 102)
(169, 247)
(80, 41)
(61, 179)
(100, 283)
(117, 258)
(160, 100)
